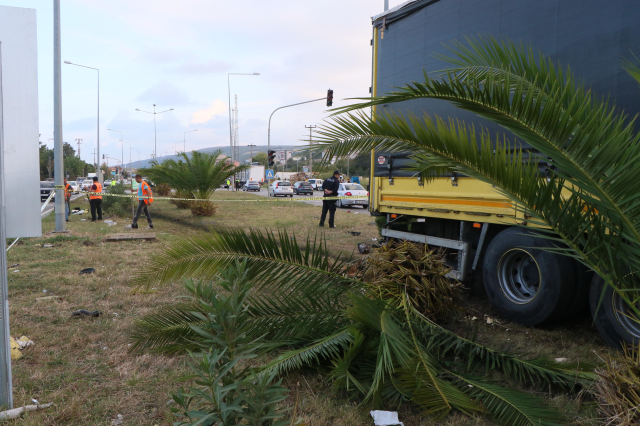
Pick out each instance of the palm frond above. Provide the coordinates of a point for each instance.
(269, 257)
(509, 406)
(632, 67)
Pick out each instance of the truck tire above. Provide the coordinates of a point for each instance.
(524, 284)
(611, 317)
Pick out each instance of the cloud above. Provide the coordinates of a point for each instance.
(164, 93)
(202, 116)
(210, 67)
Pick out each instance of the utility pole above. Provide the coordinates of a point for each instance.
(79, 142)
(58, 160)
(310, 156)
(251, 147)
(94, 159)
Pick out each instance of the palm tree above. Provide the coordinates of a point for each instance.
(303, 302)
(588, 201)
(198, 176)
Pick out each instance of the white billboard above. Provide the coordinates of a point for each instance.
(20, 121)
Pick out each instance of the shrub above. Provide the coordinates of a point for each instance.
(202, 208)
(617, 389)
(115, 206)
(163, 190)
(182, 204)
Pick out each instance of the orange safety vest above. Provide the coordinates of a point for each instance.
(99, 189)
(146, 191)
(67, 192)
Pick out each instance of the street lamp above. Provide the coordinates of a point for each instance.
(229, 93)
(184, 140)
(155, 134)
(120, 141)
(100, 178)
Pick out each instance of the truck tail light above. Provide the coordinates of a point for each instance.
(367, 194)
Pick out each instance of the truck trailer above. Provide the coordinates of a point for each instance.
(479, 228)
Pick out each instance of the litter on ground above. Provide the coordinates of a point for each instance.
(385, 418)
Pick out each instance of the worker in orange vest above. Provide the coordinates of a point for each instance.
(144, 190)
(95, 201)
(67, 199)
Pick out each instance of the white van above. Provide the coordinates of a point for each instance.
(316, 184)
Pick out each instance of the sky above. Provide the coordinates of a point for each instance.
(178, 55)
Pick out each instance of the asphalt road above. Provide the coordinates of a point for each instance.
(263, 192)
(52, 203)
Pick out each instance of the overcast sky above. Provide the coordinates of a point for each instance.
(177, 54)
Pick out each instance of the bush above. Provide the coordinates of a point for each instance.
(202, 208)
(617, 389)
(182, 204)
(163, 190)
(115, 206)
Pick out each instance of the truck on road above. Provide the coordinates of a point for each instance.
(479, 228)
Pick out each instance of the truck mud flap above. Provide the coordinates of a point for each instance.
(461, 273)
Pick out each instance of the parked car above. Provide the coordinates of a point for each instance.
(316, 184)
(74, 185)
(280, 187)
(251, 186)
(45, 190)
(352, 189)
(302, 188)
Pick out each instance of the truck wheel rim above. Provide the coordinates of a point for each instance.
(519, 276)
(625, 315)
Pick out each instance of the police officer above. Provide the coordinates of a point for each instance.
(330, 187)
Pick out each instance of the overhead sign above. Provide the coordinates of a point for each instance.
(269, 173)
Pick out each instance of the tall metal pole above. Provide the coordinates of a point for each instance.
(386, 5)
(100, 177)
(310, 156)
(229, 95)
(155, 134)
(58, 160)
(6, 392)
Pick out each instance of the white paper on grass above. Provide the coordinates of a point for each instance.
(385, 418)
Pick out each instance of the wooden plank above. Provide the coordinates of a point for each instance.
(132, 236)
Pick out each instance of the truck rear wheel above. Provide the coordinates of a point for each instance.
(613, 317)
(525, 284)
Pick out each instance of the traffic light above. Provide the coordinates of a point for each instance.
(272, 158)
(329, 97)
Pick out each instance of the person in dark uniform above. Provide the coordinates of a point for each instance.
(330, 187)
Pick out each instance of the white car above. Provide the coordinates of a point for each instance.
(352, 189)
(316, 184)
(280, 187)
(74, 185)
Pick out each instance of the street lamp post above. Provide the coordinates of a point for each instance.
(100, 177)
(155, 133)
(229, 93)
(184, 140)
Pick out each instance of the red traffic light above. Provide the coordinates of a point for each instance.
(329, 97)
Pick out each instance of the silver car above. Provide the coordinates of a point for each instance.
(280, 187)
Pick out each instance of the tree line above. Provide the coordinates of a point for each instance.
(73, 165)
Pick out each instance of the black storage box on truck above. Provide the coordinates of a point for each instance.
(468, 217)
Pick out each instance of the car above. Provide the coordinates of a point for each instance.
(251, 186)
(106, 183)
(302, 188)
(74, 185)
(316, 184)
(280, 187)
(352, 189)
(45, 189)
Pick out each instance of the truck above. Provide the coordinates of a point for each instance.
(478, 228)
(255, 173)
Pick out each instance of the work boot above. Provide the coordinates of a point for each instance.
(150, 227)
(134, 226)
(332, 226)
(321, 225)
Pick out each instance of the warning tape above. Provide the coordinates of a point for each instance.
(106, 194)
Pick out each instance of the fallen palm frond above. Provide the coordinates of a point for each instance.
(617, 389)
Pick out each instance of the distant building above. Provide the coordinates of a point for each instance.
(283, 155)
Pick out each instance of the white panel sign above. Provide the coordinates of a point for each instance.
(20, 121)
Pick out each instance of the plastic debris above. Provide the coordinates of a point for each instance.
(17, 412)
(17, 270)
(87, 271)
(83, 220)
(79, 212)
(489, 320)
(385, 418)
(17, 345)
(560, 360)
(118, 420)
(109, 222)
(81, 312)
(374, 239)
(364, 248)
(47, 245)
